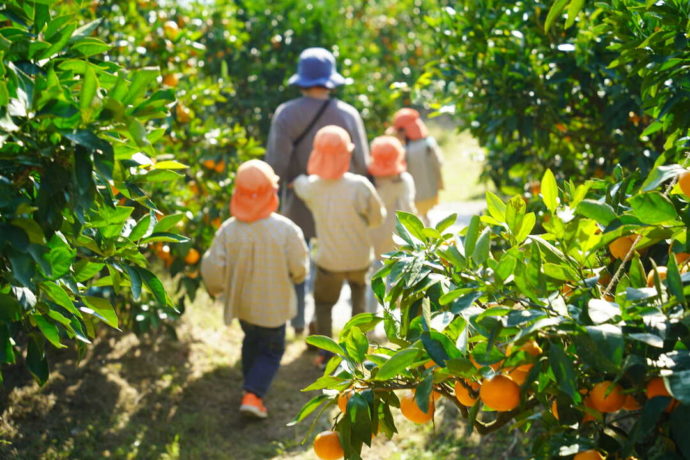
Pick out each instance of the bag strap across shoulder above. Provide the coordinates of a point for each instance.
(322, 109)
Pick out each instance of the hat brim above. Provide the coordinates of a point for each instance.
(333, 81)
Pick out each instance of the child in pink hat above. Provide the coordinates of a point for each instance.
(424, 159)
(345, 206)
(252, 265)
(396, 188)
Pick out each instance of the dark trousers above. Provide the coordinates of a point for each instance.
(262, 349)
(327, 286)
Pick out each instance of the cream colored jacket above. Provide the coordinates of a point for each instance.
(252, 268)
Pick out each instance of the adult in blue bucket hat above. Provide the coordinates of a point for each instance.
(292, 132)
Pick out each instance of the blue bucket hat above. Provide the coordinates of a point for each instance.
(316, 67)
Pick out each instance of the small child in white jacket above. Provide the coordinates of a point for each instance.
(396, 188)
(345, 206)
(254, 261)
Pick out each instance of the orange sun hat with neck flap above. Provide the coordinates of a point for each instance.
(409, 121)
(256, 191)
(330, 157)
(387, 157)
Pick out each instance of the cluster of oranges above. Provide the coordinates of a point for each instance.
(502, 393)
(163, 252)
(217, 166)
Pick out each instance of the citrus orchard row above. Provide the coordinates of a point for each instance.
(519, 315)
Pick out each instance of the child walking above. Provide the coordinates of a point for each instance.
(252, 265)
(396, 188)
(345, 206)
(424, 159)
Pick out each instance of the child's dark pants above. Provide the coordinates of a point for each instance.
(262, 349)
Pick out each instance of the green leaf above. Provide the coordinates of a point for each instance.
(481, 250)
(412, 224)
(356, 345)
(363, 321)
(601, 311)
(560, 272)
(169, 164)
(165, 238)
(103, 308)
(142, 228)
(36, 361)
(608, 340)
(653, 208)
(515, 214)
(10, 309)
(327, 381)
(325, 343)
(673, 280)
(134, 281)
(496, 207)
(471, 235)
(88, 90)
(554, 12)
(306, 410)
(49, 331)
(679, 384)
(447, 222)
(600, 212)
(86, 270)
(142, 79)
(549, 191)
(154, 285)
(398, 363)
(58, 295)
(527, 226)
(90, 46)
(680, 427)
(422, 394)
(573, 10)
(439, 347)
(563, 370)
(168, 222)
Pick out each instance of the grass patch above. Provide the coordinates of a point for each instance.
(464, 160)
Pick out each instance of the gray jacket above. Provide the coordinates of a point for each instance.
(288, 161)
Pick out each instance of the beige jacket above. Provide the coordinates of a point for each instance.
(344, 210)
(398, 194)
(252, 268)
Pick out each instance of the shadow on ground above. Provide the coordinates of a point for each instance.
(152, 399)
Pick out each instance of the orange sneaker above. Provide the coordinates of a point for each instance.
(253, 406)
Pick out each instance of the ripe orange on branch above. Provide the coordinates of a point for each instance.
(684, 183)
(662, 271)
(657, 387)
(462, 393)
(170, 80)
(343, 399)
(607, 397)
(621, 246)
(192, 257)
(500, 393)
(411, 411)
(327, 446)
(589, 455)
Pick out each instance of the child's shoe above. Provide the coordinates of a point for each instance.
(253, 406)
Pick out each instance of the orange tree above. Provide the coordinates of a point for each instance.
(579, 333)
(603, 89)
(75, 212)
(567, 315)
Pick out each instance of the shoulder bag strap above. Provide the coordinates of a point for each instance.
(299, 139)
